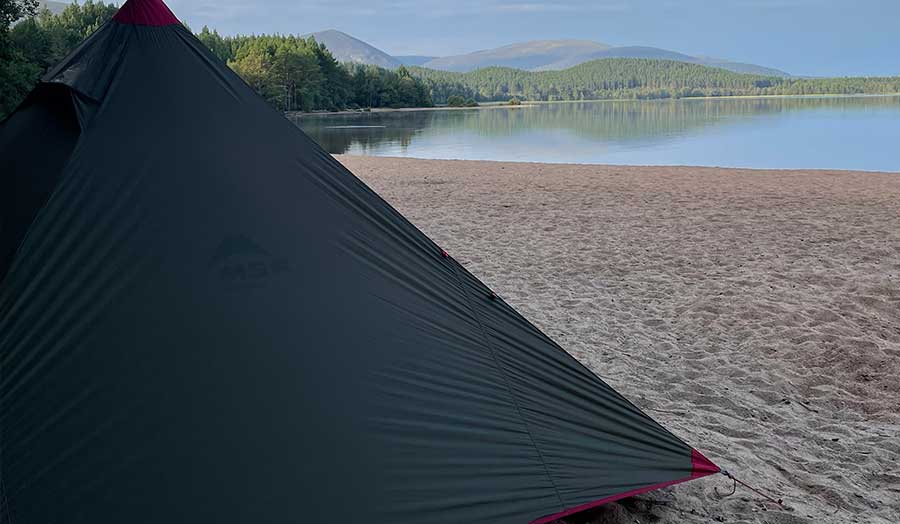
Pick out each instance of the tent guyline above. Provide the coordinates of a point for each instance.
(232, 322)
(771, 499)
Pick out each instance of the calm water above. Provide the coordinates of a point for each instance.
(835, 132)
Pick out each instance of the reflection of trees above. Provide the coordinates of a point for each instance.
(366, 131)
(609, 121)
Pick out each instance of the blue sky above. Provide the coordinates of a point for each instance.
(803, 37)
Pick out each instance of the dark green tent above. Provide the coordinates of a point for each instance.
(205, 318)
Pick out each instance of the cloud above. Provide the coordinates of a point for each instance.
(550, 7)
(234, 9)
(214, 10)
(726, 5)
(756, 4)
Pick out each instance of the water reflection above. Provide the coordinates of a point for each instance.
(609, 131)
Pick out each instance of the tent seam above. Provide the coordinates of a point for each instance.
(4, 500)
(506, 382)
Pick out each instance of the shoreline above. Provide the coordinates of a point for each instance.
(640, 167)
(534, 103)
(485, 105)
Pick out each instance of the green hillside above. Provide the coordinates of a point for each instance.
(292, 73)
(295, 73)
(633, 78)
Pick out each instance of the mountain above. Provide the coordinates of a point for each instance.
(414, 60)
(632, 79)
(739, 67)
(54, 7)
(556, 55)
(532, 55)
(345, 48)
(536, 55)
(616, 52)
(656, 53)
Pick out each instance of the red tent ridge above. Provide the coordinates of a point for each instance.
(145, 12)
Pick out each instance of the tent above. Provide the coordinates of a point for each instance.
(205, 318)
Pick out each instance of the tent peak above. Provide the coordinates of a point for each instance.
(145, 12)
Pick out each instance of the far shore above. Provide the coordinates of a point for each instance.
(534, 103)
(484, 105)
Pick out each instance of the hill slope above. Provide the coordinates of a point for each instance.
(345, 48)
(652, 53)
(535, 55)
(54, 7)
(633, 78)
(555, 55)
(414, 60)
(526, 55)
(739, 67)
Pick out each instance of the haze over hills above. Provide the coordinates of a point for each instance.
(536, 55)
(348, 49)
(556, 55)
(740, 67)
(54, 7)
(530, 56)
(617, 52)
(414, 60)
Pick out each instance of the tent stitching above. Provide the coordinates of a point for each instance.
(4, 502)
(439, 468)
(502, 370)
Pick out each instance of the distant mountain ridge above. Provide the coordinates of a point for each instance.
(615, 52)
(535, 55)
(530, 56)
(54, 7)
(633, 79)
(346, 48)
(414, 60)
(740, 67)
(556, 55)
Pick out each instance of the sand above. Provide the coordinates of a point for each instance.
(756, 314)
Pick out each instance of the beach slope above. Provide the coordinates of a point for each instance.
(756, 314)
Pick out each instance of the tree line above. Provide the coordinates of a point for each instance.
(292, 73)
(632, 78)
(300, 74)
(38, 41)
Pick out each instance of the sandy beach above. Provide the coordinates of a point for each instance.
(756, 314)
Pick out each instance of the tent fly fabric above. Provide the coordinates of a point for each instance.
(204, 317)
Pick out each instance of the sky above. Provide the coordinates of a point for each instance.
(802, 37)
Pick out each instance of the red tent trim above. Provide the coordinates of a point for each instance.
(145, 12)
(700, 467)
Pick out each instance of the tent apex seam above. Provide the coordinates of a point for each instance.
(456, 269)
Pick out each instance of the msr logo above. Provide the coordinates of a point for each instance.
(241, 262)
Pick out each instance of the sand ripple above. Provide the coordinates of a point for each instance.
(754, 313)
